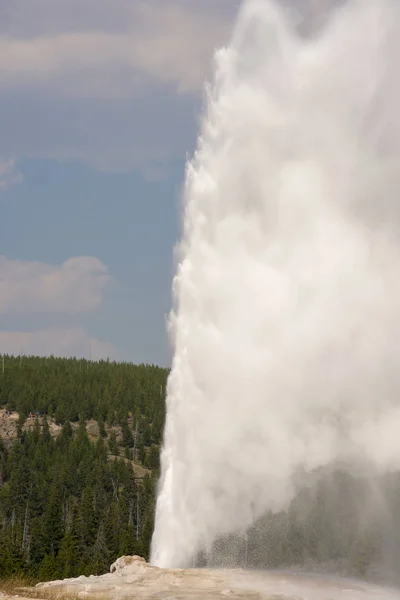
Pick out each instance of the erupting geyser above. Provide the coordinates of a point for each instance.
(286, 323)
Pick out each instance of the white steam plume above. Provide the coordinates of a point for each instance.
(287, 295)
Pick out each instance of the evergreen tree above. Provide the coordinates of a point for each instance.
(127, 436)
(68, 561)
(112, 444)
(100, 554)
(48, 568)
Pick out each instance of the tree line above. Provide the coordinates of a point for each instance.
(69, 504)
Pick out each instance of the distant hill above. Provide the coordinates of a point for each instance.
(79, 457)
(66, 389)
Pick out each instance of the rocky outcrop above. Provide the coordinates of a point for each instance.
(127, 561)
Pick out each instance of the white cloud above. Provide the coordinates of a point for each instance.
(59, 342)
(9, 174)
(168, 43)
(31, 287)
(113, 84)
(35, 288)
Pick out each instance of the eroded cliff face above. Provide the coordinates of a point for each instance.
(131, 576)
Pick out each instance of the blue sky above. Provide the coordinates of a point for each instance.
(99, 105)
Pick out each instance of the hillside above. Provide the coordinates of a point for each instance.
(10, 430)
(79, 456)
